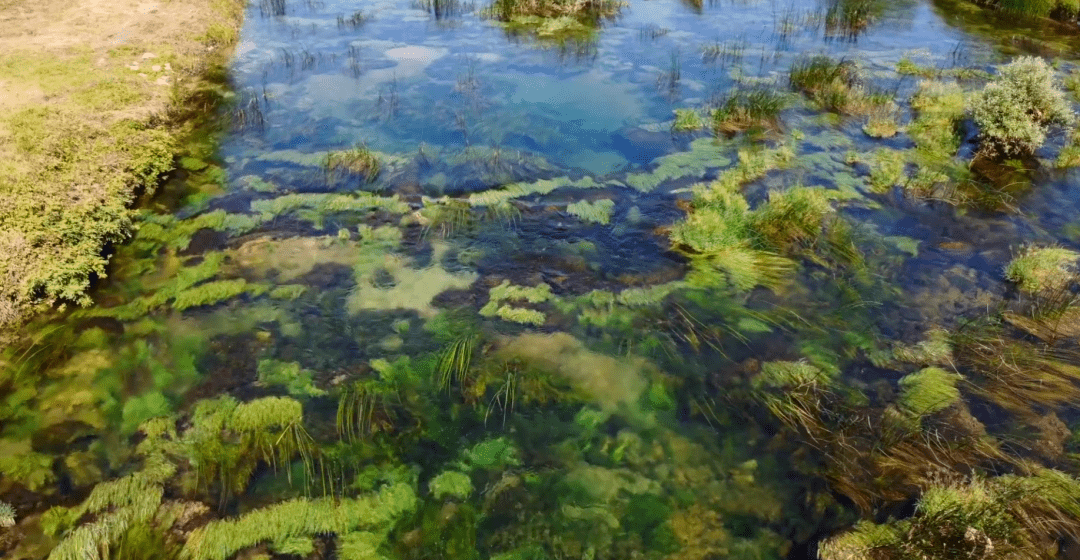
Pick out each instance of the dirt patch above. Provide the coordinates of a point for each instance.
(92, 97)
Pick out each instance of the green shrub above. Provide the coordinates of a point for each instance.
(1015, 109)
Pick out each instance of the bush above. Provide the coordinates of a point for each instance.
(1015, 109)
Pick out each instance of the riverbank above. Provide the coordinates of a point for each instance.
(97, 98)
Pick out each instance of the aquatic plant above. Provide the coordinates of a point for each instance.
(357, 161)
(882, 123)
(928, 390)
(939, 106)
(1014, 110)
(455, 361)
(7, 515)
(296, 380)
(590, 11)
(848, 18)
(834, 85)
(1005, 517)
(597, 212)
(687, 120)
(1066, 10)
(453, 484)
(757, 107)
(1043, 269)
(220, 539)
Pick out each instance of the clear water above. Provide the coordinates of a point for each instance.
(625, 434)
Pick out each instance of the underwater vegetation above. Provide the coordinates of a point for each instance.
(1066, 10)
(743, 109)
(358, 161)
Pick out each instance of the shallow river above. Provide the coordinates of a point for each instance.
(497, 320)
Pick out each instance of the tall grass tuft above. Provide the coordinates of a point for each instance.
(743, 109)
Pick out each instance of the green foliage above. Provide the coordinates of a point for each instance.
(1015, 109)
(833, 85)
(455, 361)
(453, 484)
(358, 161)
(137, 410)
(743, 109)
(687, 120)
(301, 518)
(505, 292)
(597, 212)
(928, 390)
(295, 379)
(19, 463)
(1006, 517)
(585, 12)
(313, 206)
(7, 515)
(215, 292)
(1043, 269)
(491, 454)
(1066, 10)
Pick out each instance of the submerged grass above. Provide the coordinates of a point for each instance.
(358, 161)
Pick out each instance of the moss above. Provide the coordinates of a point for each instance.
(453, 484)
(21, 464)
(1043, 269)
(598, 212)
(506, 292)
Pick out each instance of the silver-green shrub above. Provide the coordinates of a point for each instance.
(1015, 109)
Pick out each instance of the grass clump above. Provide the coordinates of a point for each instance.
(939, 107)
(928, 390)
(834, 85)
(687, 120)
(1015, 110)
(1016, 517)
(358, 161)
(555, 19)
(749, 108)
(1043, 269)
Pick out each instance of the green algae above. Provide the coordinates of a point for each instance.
(409, 288)
(495, 197)
(453, 484)
(928, 391)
